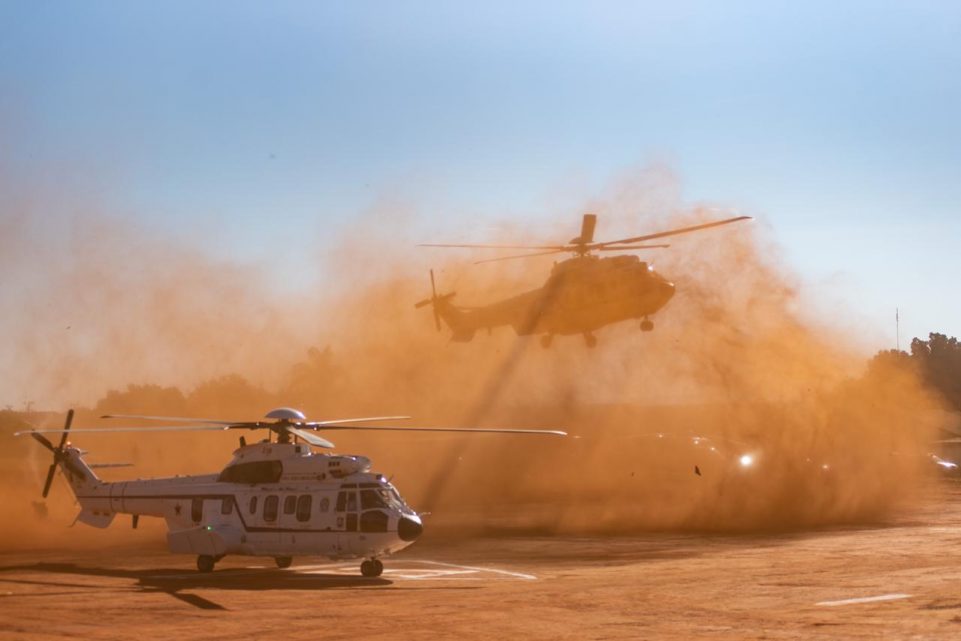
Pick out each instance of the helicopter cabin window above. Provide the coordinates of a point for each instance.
(290, 504)
(226, 506)
(324, 504)
(197, 509)
(253, 504)
(351, 525)
(252, 472)
(304, 502)
(347, 501)
(270, 508)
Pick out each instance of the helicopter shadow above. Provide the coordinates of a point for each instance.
(181, 585)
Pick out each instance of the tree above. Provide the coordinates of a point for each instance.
(143, 399)
(937, 360)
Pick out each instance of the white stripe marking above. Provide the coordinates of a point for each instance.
(350, 569)
(866, 599)
(529, 577)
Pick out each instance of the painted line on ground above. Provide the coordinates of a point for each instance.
(516, 575)
(404, 569)
(866, 599)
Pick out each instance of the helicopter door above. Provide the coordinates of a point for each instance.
(207, 511)
(347, 518)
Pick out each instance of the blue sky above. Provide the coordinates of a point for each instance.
(837, 123)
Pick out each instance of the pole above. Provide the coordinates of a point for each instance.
(897, 327)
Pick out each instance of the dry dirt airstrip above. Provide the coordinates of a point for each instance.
(897, 580)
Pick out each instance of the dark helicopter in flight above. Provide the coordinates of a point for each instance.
(582, 294)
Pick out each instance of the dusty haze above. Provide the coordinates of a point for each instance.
(733, 357)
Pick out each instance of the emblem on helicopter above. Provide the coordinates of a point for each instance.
(582, 294)
(267, 501)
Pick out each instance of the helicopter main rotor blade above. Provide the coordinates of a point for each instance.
(494, 260)
(49, 481)
(176, 419)
(587, 230)
(618, 248)
(313, 439)
(320, 424)
(557, 247)
(164, 428)
(483, 430)
(40, 439)
(670, 232)
(66, 429)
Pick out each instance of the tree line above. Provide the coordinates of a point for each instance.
(938, 362)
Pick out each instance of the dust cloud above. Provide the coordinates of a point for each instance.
(739, 412)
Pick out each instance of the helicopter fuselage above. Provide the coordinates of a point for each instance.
(273, 499)
(581, 295)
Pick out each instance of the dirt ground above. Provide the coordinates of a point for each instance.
(897, 580)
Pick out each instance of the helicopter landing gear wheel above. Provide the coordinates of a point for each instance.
(546, 340)
(647, 325)
(205, 563)
(590, 340)
(372, 568)
(283, 561)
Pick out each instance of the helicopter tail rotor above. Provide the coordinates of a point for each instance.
(434, 301)
(58, 452)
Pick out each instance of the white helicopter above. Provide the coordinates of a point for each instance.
(275, 498)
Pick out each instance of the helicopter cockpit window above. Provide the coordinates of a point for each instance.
(270, 508)
(373, 521)
(252, 472)
(394, 499)
(351, 501)
(370, 499)
(290, 504)
(226, 506)
(304, 502)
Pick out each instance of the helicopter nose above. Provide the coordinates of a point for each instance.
(409, 528)
(667, 290)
